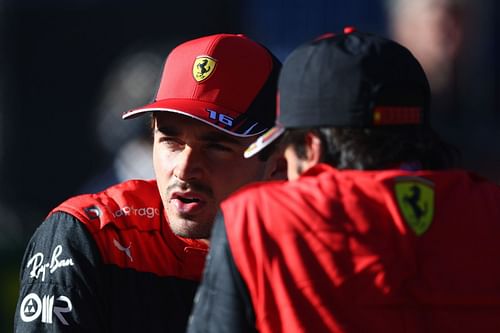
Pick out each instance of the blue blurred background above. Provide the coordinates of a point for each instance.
(69, 69)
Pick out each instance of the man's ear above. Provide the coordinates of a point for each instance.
(313, 150)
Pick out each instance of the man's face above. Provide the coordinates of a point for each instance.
(197, 166)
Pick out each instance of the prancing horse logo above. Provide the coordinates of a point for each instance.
(203, 68)
(415, 198)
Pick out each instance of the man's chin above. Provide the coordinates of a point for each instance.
(189, 228)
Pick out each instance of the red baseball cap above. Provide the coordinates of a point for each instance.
(225, 80)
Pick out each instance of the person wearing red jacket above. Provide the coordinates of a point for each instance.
(375, 230)
(129, 259)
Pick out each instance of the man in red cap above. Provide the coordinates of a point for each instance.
(374, 231)
(129, 259)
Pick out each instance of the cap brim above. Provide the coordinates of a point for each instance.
(202, 111)
(263, 141)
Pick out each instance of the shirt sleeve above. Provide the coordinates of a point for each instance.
(60, 280)
(222, 303)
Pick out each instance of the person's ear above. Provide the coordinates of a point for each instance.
(313, 150)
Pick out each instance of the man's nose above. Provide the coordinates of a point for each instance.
(189, 164)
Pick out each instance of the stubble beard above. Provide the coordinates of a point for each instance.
(189, 226)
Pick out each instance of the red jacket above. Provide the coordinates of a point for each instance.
(357, 251)
(108, 262)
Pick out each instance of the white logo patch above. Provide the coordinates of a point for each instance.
(123, 248)
(32, 307)
(39, 267)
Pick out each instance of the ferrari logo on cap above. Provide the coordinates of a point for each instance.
(415, 198)
(203, 67)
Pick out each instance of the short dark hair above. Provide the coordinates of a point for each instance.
(377, 148)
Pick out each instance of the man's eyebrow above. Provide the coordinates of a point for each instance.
(212, 137)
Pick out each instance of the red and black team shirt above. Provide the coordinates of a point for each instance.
(109, 262)
(356, 251)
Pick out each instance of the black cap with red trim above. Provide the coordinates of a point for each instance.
(353, 79)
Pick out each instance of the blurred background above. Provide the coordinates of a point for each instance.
(68, 69)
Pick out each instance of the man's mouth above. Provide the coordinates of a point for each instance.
(186, 203)
(188, 200)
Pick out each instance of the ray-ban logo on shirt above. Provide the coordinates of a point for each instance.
(39, 267)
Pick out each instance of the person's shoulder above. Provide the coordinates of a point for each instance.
(125, 205)
(469, 181)
(258, 190)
